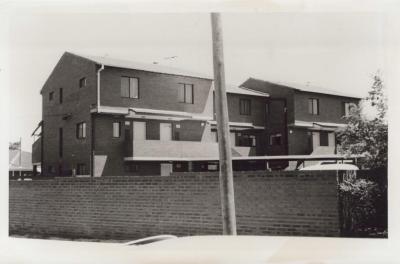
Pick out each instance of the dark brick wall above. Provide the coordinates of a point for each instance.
(330, 107)
(276, 92)
(257, 116)
(76, 103)
(156, 90)
(300, 141)
(285, 203)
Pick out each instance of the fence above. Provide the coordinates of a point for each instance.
(267, 203)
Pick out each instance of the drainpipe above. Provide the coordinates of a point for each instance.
(98, 86)
(92, 161)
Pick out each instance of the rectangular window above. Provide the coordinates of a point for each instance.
(60, 142)
(313, 106)
(245, 140)
(185, 93)
(51, 96)
(275, 139)
(323, 139)
(129, 87)
(245, 107)
(348, 108)
(61, 95)
(212, 166)
(131, 167)
(82, 82)
(267, 109)
(116, 129)
(81, 169)
(81, 130)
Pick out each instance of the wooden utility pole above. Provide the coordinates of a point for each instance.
(225, 154)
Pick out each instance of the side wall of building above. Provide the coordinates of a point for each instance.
(156, 90)
(257, 113)
(66, 114)
(330, 107)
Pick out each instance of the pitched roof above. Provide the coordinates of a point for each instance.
(127, 64)
(14, 158)
(308, 88)
(234, 89)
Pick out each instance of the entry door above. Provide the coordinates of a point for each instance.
(139, 130)
(165, 131)
(166, 169)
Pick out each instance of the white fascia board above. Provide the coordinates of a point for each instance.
(287, 157)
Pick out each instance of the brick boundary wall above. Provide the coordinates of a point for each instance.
(131, 207)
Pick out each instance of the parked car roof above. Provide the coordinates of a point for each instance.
(335, 166)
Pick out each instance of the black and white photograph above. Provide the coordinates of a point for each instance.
(172, 132)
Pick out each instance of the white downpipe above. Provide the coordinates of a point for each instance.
(93, 172)
(98, 87)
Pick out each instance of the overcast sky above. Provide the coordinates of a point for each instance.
(337, 51)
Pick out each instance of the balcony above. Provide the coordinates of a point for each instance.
(177, 150)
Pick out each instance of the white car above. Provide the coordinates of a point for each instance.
(331, 165)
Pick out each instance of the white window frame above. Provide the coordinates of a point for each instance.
(183, 95)
(131, 93)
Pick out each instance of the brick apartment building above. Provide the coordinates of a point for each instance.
(110, 117)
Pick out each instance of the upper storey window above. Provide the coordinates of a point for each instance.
(313, 106)
(185, 93)
(81, 130)
(51, 95)
(245, 107)
(129, 87)
(82, 82)
(348, 108)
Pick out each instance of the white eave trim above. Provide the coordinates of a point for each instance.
(238, 124)
(146, 113)
(316, 125)
(287, 157)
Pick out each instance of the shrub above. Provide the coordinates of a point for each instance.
(361, 201)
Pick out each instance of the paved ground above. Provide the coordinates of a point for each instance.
(204, 249)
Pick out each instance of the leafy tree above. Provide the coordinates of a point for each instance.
(367, 136)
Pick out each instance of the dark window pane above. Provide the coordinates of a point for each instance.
(60, 142)
(323, 138)
(275, 139)
(82, 82)
(61, 95)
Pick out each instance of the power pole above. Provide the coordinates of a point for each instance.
(225, 154)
